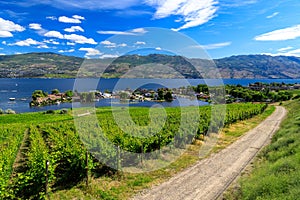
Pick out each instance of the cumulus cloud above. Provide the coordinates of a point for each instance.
(51, 41)
(35, 26)
(79, 39)
(280, 34)
(91, 51)
(74, 29)
(70, 43)
(132, 32)
(43, 46)
(295, 52)
(140, 43)
(66, 51)
(65, 19)
(193, 12)
(78, 17)
(51, 18)
(54, 34)
(108, 44)
(6, 27)
(5, 34)
(27, 42)
(122, 45)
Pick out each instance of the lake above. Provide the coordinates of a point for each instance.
(21, 90)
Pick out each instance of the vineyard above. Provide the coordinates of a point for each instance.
(60, 152)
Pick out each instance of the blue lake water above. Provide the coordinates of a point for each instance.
(21, 89)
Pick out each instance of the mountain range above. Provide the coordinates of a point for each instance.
(51, 65)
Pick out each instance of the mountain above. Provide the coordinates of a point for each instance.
(151, 66)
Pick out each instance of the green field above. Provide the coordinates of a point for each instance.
(276, 171)
(54, 138)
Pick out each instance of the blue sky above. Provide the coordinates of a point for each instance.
(109, 28)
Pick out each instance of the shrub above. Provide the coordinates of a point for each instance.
(1, 111)
(10, 111)
(50, 112)
(63, 111)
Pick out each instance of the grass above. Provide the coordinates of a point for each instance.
(276, 172)
(126, 185)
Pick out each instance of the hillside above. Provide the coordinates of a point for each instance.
(151, 66)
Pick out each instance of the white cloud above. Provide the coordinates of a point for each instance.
(272, 15)
(79, 39)
(74, 29)
(132, 32)
(6, 27)
(3, 42)
(91, 51)
(35, 26)
(65, 19)
(193, 12)
(108, 44)
(27, 42)
(78, 17)
(139, 31)
(108, 56)
(43, 46)
(295, 52)
(51, 41)
(285, 49)
(54, 34)
(140, 43)
(2, 54)
(5, 34)
(158, 48)
(280, 34)
(114, 33)
(216, 45)
(122, 45)
(73, 37)
(51, 18)
(71, 43)
(66, 51)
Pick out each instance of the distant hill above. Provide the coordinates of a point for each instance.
(151, 66)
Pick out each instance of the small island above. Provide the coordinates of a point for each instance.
(41, 98)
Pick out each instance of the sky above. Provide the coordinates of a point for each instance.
(110, 28)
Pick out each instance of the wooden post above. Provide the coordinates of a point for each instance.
(87, 167)
(47, 178)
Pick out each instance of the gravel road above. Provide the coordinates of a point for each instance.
(210, 177)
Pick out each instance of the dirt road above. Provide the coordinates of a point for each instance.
(211, 176)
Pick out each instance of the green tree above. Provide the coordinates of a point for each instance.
(55, 91)
(69, 93)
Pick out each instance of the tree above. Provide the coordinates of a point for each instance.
(55, 91)
(69, 93)
(168, 96)
(38, 93)
(160, 94)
